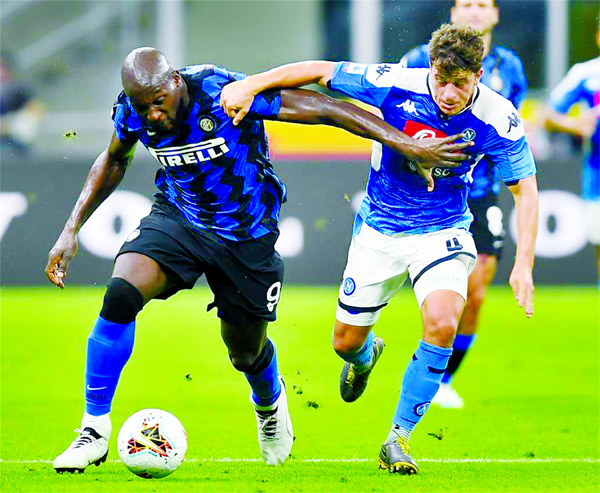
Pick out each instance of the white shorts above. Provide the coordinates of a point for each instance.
(378, 265)
(591, 210)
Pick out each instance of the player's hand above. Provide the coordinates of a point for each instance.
(59, 257)
(521, 282)
(587, 122)
(236, 100)
(439, 152)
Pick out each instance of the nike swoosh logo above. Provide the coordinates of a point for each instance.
(95, 388)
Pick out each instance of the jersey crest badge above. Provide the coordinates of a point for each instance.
(207, 123)
(469, 134)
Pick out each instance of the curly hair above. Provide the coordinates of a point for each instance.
(456, 49)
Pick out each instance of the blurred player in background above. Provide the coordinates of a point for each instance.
(216, 214)
(20, 111)
(503, 72)
(582, 85)
(402, 228)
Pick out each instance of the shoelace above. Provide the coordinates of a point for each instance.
(403, 446)
(350, 376)
(83, 439)
(268, 426)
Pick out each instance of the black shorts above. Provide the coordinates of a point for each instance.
(487, 227)
(245, 277)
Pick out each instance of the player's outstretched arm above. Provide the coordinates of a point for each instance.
(104, 176)
(301, 106)
(525, 193)
(583, 125)
(237, 97)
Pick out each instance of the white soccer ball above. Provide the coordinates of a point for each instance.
(152, 443)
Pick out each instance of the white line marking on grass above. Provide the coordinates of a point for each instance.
(351, 460)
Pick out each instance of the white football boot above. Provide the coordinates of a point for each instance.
(448, 398)
(90, 447)
(275, 433)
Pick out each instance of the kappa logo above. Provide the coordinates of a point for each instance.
(190, 154)
(513, 121)
(408, 106)
(382, 69)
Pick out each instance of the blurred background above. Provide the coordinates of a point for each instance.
(60, 75)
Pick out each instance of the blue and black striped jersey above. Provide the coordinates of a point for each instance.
(217, 177)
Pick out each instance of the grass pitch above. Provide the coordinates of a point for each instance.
(531, 388)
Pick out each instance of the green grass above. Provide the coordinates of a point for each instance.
(531, 389)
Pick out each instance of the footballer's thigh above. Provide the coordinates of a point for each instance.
(441, 312)
(439, 273)
(143, 273)
(374, 272)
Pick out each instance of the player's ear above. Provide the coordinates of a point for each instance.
(496, 17)
(176, 77)
(478, 75)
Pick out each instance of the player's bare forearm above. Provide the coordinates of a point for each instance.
(292, 75)
(103, 178)
(582, 126)
(309, 107)
(525, 194)
(237, 97)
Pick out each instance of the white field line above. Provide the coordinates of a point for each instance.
(351, 460)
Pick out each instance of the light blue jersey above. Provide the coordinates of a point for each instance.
(582, 84)
(397, 200)
(504, 73)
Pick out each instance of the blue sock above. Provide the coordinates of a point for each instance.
(420, 383)
(462, 343)
(109, 347)
(362, 358)
(265, 384)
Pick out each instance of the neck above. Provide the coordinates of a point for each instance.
(185, 96)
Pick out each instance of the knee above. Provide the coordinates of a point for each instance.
(475, 296)
(122, 302)
(440, 330)
(243, 361)
(346, 342)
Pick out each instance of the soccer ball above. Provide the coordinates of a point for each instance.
(152, 443)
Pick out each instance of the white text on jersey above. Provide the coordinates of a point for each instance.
(190, 153)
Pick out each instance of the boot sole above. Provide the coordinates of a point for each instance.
(405, 468)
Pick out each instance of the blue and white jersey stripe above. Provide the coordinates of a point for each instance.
(397, 200)
(503, 72)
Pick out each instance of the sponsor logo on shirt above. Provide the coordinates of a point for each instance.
(418, 130)
(354, 68)
(191, 154)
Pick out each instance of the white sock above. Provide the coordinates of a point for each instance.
(398, 431)
(101, 424)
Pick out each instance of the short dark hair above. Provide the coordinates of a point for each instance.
(494, 3)
(455, 49)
